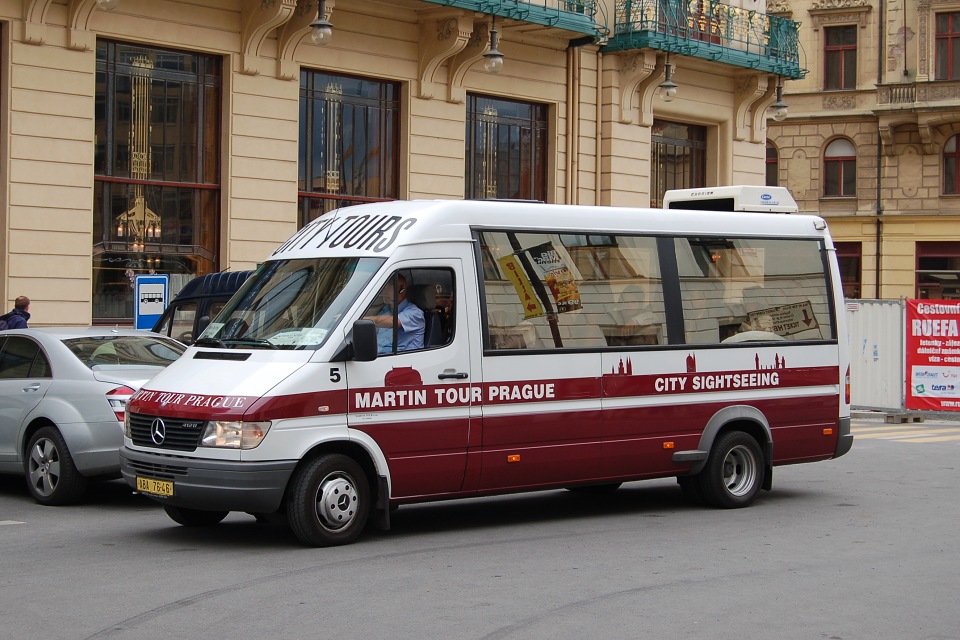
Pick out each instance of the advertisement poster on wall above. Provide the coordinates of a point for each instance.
(933, 355)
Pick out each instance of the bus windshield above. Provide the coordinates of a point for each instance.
(290, 304)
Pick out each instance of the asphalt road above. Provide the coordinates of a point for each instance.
(863, 547)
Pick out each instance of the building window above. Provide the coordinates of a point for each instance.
(349, 142)
(679, 158)
(948, 46)
(156, 205)
(840, 169)
(506, 149)
(938, 270)
(951, 167)
(850, 257)
(773, 165)
(840, 58)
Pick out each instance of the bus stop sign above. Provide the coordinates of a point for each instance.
(150, 299)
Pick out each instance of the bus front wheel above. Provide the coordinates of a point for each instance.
(734, 472)
(329, 501)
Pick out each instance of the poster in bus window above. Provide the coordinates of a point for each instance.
(521, 283)
(558, 276)
(933, 355)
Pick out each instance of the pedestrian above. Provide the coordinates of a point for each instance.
(17, 319)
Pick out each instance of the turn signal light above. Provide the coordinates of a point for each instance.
(828, 431)
(515, 457)
(846, 392)
(668, 445)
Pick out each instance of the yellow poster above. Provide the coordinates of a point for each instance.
(531, 306)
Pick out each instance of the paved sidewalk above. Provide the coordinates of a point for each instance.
(906, 417)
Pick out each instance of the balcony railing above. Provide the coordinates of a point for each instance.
(709, 30)
(894, 94)
(578, 16)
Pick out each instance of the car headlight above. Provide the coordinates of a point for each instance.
(234, 435)
(126, 425)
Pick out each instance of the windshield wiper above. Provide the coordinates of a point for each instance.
(213, 342)
(251, 342)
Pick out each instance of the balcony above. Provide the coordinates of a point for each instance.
(931, 107)
(577, 16)
(711, 31)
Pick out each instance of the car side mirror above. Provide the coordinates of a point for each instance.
(202, 324)
(364, 340)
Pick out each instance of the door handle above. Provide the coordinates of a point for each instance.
(450, 374)
(32, 387)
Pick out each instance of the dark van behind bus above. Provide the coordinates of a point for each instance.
(197, 303)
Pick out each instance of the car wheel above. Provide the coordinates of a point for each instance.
(52, 476)
(329, 501)
(194, 517)
(734, 472)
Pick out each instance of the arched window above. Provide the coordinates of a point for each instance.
(773, 165)
(840, 169)
(951, 166)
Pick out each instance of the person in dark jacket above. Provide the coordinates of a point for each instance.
(17, 319)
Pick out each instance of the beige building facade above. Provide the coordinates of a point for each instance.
(190, 136)
(870, 139)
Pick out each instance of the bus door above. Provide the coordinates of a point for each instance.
(414, 400)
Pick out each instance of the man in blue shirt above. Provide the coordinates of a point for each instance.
(410, 319)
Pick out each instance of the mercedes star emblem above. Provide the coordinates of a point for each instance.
(158, 431)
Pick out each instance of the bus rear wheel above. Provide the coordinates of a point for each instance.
(329, 501)
(734, 472)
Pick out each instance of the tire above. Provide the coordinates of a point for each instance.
(329, 501)
(52, 477)
(194, 517)
(734, 472)
(596, 489)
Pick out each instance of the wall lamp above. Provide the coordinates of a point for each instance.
(668, 85)
(107, 5)
(779, 107)
(321, 29)
(493, 59)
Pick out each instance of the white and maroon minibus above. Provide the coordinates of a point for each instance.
(553, 347)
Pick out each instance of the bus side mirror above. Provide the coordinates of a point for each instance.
(364, 339)
(202, 324)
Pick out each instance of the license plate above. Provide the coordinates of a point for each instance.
(154, 487)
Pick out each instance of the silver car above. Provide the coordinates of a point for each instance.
(63, 392)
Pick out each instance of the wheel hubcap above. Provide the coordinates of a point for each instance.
(337, 501)
(44, 467)
(739, 470)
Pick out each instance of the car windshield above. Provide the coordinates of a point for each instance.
(139, 351)
(290, 304)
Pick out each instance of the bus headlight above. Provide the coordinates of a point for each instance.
(234, 435)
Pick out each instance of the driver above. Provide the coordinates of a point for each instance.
(410, 320)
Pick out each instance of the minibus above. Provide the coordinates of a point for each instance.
(411, 351)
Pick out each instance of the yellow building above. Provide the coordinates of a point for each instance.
(187, 136)
(871, 141)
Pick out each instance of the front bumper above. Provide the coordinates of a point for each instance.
(211, 485)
